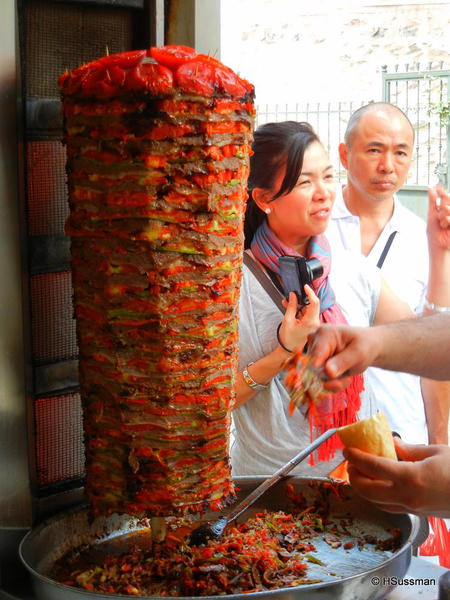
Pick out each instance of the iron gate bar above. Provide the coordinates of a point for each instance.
(326, 118)
(420, 75)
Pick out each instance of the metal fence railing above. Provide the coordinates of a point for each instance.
(423, 95)
(329, 120)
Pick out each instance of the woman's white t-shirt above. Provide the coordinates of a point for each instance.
(265, 436)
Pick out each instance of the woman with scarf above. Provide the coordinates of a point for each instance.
(292, 189)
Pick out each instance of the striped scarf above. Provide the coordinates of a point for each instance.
(340, 408)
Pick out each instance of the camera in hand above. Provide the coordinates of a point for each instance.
(295, 272)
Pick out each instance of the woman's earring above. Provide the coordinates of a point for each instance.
(267, 211)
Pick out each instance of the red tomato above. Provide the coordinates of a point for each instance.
(103, 82)
(62, 79)
(91, 77)
(155, 78)
(158, 78)
(233, 81)
(73, 82)
(196, 77)
(116, 75)
(212, 61)
(227, 81)
(125, 60)
(248, 86)
(172, 56)
(134, 80)
(96, 83)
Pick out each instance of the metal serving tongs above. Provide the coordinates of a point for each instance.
(213, 530)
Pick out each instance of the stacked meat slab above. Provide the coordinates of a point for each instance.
(158, 144)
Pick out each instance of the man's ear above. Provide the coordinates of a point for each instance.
(262, 198)
(343, 154)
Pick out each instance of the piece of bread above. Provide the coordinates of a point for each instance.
(370, 435)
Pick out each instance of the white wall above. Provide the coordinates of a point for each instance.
(303, 51)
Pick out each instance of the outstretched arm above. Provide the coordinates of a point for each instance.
(420, 346)
(436, 394)
(420, 484)
(438, 232)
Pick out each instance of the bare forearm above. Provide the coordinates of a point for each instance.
(436, 398)
(438, 232)
(438, 291)
(420, 346)
(262, 371)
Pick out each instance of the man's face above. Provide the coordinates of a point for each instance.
(379, 155)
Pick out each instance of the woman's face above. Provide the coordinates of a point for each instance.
(306, 210)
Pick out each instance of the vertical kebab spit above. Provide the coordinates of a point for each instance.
(158, 145)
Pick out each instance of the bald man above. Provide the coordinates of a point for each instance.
(368, 219)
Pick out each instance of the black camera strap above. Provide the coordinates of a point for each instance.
(269, 285)
(275, 280)
(386, 249)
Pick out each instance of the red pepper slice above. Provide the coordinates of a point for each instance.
(196, 77)
(126, 198)
(172, 56)
(227, 106)
(160, 132)
(225, 127)
(89, 313)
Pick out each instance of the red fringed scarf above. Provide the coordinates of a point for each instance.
(340, 408)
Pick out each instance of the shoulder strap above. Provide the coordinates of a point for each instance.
(386, 250)
(264, 280)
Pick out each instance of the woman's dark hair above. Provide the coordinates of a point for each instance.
(275, 145)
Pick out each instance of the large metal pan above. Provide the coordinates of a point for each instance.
(360, 574)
